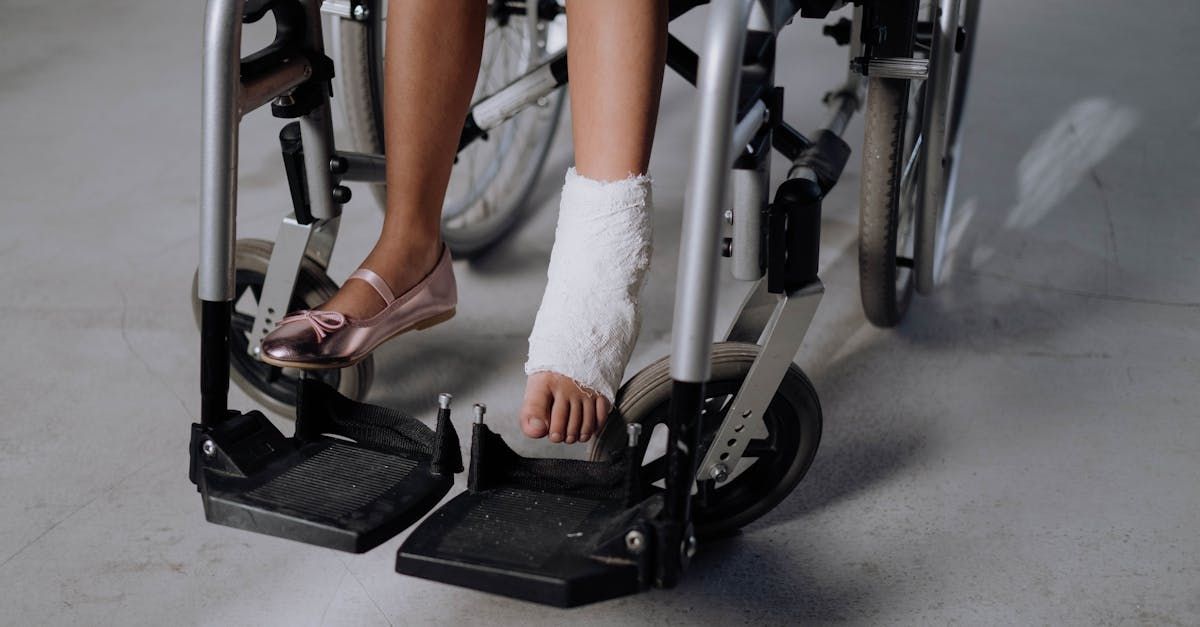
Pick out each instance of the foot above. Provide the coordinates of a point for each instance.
(401, 267)
(557, 407)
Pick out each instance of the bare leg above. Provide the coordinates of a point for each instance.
(616, 56)
(432, 61)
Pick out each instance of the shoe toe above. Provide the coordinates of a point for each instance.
(288, 343)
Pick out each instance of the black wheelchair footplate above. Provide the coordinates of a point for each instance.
(352, 477)
(553, 531)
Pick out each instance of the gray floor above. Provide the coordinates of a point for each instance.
(1025, 449)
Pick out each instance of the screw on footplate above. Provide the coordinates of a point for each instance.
(480, 410)
(634, 431)
(444, 400)
(689, 546)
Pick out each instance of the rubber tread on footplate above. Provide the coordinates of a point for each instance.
(525, 544)
(353, 476)
(328, 493)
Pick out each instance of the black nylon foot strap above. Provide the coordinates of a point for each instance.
(321, 409)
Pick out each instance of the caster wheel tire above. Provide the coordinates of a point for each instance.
(271, 386)
(769, 469)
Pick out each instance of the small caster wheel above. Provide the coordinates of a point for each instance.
(769, 469)
(274, 387)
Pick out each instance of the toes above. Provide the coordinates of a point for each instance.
(574, 419)
(602, 409)
(589, 420)
(535, 410)
(559, 415)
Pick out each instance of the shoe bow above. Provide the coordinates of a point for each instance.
(322, 322)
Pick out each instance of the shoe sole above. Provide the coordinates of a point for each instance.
(431, 321)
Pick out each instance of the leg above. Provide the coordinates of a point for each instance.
(432, 60)
(617, 52)
(433, 52)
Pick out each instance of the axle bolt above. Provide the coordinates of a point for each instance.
(688, 548)
(720, 472)
(360, 13)
(209, 448)
(635, 541)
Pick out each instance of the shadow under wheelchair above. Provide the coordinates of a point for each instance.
(749, 579)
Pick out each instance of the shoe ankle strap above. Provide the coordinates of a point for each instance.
(375, 281)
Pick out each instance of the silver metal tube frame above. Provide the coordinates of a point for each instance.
(717, 84)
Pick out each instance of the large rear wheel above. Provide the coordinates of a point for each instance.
(911, 152)
(886, 202)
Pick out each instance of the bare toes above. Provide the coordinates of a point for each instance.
(559, 415)
(535, 411)
(575, 420)
(602, 409)
(589, 420)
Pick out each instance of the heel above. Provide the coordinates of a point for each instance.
(435, 320)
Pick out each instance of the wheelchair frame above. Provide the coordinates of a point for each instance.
(774, 244)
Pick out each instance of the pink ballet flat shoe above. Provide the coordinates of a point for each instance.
(315, 339)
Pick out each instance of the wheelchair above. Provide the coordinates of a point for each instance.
(743, 422)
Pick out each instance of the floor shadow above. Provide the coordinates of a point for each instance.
(409, 375)
(747, 580)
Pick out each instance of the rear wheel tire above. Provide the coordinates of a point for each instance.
(886, 216)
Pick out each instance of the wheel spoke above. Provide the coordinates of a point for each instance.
(910, 165)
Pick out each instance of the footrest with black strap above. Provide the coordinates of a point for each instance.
(352, 477)
(553, 531)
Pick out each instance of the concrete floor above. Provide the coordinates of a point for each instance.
(1024, 449)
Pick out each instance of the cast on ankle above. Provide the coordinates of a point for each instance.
(589, 319)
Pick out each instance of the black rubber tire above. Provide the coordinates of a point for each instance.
(272, 387)
(793, 418)
(886, 287)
